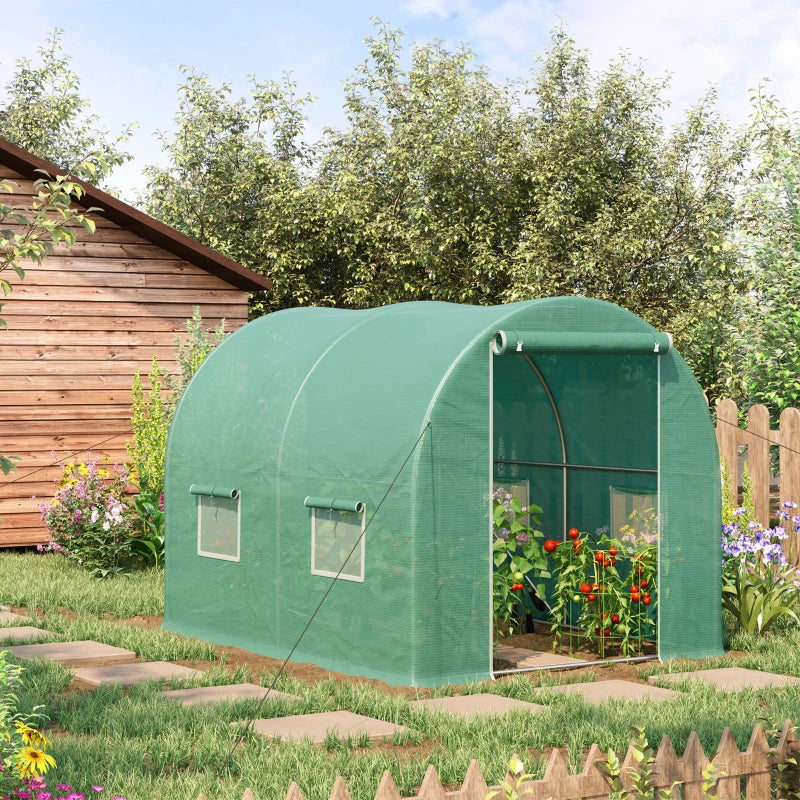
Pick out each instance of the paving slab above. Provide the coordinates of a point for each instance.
(316, 726)
(129, 674)
(470, 705)
(75, 654)
(24, 633)
(10, 616)
(516, 657)
(600, 691)
(211, 695)
(727, 679)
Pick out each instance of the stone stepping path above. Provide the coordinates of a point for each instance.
(10, 616)
(24, 633)
(130, 674)
(728, 679)
(470, 705)
(211, 695)
(74, 654)
(316, 726)
(600, 691)
(518, 657)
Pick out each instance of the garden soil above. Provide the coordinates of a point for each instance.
(235, 657)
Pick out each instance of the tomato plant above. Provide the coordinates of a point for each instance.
(603, 588)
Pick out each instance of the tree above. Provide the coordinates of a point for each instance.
(764, 362)
(233, 168)
(445, 185)
(44, 113)
(620, 209)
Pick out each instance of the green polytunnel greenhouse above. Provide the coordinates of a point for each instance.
(317, 442)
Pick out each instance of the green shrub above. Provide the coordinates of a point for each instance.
(150, 417)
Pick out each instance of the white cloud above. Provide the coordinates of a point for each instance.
(730, 43)
(438, 8)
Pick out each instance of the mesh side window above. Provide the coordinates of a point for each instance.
(519, 489)
(218, 527)
(334, 534)
(633, 515)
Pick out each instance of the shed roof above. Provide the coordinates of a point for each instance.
(142, 224)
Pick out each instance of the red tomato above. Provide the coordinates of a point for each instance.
(635, 597)
(612, 551)
(599, 557)
(573, 533)
(634, 588)
(607, 632)
(605, 616)
(644, 584)
(576, 546)
(608, 562)
(550, 545)
(584, 588)
(597, 629)
(647, 600)
(613, 562)
(591, 598)
(615, 618)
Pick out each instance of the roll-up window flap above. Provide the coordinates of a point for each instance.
(511, 341)
(208, 490)
(334, 504)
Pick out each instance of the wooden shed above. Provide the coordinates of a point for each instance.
(81, 324)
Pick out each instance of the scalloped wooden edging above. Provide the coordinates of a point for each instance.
(743, 774)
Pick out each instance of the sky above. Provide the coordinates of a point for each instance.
(128, 54)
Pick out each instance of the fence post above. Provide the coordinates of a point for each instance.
(790, 457)
(758, 459)
(728, 441)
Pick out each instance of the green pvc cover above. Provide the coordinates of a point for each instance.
(319, 408)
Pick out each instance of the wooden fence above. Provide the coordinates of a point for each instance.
(748, 774)
(757, 437)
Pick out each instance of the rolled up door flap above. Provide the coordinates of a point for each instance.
(514, 341)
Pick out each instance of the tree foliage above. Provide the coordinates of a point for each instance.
(44, 113)
(445, 185)
(764, 363)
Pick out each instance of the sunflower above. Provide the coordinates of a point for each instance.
(33, 762)
(31, 735)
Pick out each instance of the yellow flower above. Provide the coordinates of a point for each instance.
(31, 735)
(32, 762)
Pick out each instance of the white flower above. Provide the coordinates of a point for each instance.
(106, 525)
(95, 514)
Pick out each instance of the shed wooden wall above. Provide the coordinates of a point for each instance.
(79, 326)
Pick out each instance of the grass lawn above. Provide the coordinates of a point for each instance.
(141, 746)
